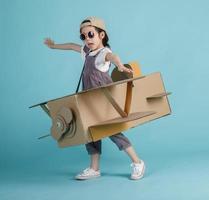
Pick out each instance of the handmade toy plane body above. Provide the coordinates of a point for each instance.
(107, 110)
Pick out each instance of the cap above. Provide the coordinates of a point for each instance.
(93, 21)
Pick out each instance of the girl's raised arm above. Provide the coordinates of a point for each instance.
(67, 46)
(115, 59)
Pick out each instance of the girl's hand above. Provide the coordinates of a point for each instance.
(50, 43)
(122, 68)
(116, 61)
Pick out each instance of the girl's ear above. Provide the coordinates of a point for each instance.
(102, 34)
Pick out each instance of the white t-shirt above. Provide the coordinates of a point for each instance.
(100, 62)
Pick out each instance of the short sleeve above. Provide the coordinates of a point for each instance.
(103, 54)
(100, 63)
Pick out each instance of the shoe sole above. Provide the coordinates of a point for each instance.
(87, 178)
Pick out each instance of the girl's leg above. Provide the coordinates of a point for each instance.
(123, 143)
(94, 150)
(95, 158)
(138, 166)
(132, 154)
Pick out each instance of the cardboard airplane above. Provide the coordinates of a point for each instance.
(96, 113)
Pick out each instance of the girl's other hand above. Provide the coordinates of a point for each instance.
(122, 68)
(48, 42)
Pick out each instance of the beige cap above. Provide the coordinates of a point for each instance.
(94, 21)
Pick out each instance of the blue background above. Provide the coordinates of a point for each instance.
(167, 36)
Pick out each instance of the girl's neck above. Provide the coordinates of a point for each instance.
(98, 48)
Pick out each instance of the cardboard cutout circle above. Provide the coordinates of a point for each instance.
(62, 123)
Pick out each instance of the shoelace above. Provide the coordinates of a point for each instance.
(136, 169)
(86, 171)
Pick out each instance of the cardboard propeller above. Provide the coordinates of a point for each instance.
(93, 114)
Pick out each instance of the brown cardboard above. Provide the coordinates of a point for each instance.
(107, 110)
(143, 88)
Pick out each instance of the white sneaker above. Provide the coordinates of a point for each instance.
(88, 174)
(138, 170)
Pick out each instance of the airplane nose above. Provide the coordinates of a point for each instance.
(63, 124)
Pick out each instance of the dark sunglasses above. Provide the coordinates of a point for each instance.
(90, 35)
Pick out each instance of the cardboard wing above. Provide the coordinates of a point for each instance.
(107, 110)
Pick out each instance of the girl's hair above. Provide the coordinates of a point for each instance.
(105, 39)
(99, 30)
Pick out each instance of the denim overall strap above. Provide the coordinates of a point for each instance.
(79, 82)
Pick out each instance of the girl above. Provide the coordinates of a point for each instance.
(98, 56)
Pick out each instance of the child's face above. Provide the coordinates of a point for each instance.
(92, 39)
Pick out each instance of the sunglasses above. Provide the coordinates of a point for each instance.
(90, 35)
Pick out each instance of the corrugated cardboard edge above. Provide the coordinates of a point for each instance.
(166, 95)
